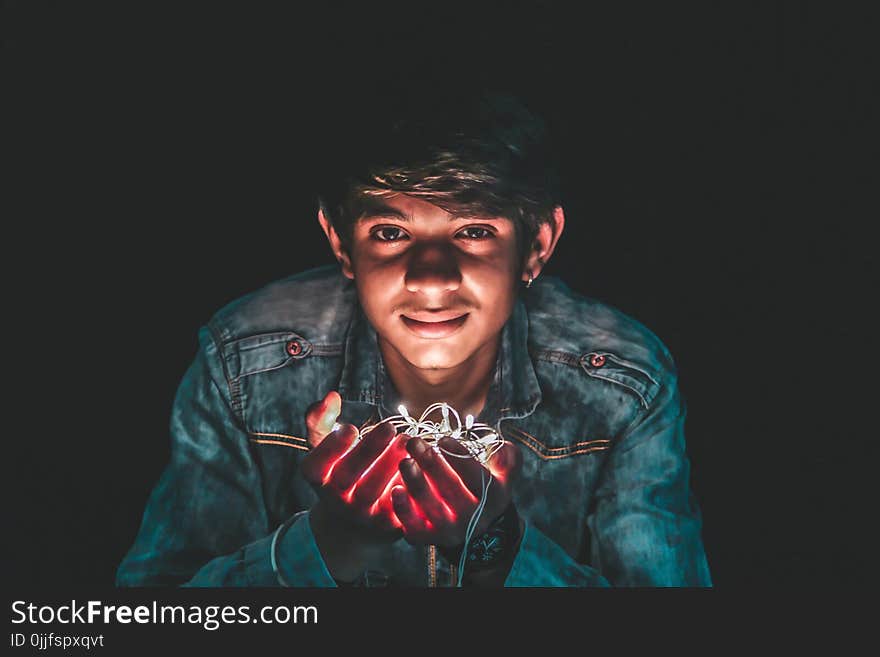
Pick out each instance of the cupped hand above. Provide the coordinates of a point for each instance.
(353, 477)
(440, 493)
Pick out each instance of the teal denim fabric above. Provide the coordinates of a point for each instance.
(589, 396)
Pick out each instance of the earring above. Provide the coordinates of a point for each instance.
(529, 284)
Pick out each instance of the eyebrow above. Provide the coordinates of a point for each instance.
(376, 210)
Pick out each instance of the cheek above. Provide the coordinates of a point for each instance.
(493, 269)
(493, 286)
(377, 289)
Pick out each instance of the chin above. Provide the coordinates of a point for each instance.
(434, 361)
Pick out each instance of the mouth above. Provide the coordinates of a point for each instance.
(434, 329)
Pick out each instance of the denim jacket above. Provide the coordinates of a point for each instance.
(589, 396)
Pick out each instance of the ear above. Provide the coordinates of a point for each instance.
(336, 244)
(544, 244)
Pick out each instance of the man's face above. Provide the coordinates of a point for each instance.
(436, 287)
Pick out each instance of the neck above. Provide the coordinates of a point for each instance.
(464, 387)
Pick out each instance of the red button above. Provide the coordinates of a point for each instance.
(294, 348)
(597, 360)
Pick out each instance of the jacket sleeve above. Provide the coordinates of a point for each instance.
(645, 524)
(206, 523)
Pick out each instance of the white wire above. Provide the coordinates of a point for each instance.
(472, 525)
(479, 439)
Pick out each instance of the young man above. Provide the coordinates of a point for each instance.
(441, 224)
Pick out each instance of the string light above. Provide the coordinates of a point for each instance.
(480, 440)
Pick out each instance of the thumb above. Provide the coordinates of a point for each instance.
(321, 416)
(506, 462)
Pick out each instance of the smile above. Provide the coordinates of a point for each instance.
(434, 329)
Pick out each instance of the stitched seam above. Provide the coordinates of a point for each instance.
(277, 339)
(322, 349)
(545, 448)
(366, 395)
(282, 336)
(278, 442)
(580, 451)
(627, 363)
(557, 357)
(231, 386)
(551, 457)
(327, 350)
(266, 369)
(432, 566)
(266, 434)
(239, 401)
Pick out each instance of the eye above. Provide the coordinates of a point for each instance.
(477, 233)
(387, 234)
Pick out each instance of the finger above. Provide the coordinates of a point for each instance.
(377, 478)
(383, 509)
(321, 416)
(424, 494)
(318, 465)
(445, 479)
(352, 465)
(416, 527)
(467, 469)
(506, 462)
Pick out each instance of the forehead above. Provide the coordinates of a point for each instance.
(409, 209)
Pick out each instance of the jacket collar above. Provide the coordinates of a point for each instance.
(514, 392)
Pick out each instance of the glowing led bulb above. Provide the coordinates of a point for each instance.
(468, 421)
(402, 410)
(444, 426)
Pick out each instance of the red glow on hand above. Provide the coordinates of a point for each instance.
(450, 514)
(329, 472)
(384, 504)
(395, 480)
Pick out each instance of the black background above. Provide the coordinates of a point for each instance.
(717, 163)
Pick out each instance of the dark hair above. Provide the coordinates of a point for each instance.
(470, 153)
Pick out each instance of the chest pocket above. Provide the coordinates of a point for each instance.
(606, 366)
(587, 401)
(264, 352)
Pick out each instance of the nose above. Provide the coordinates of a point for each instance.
(432, 270)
